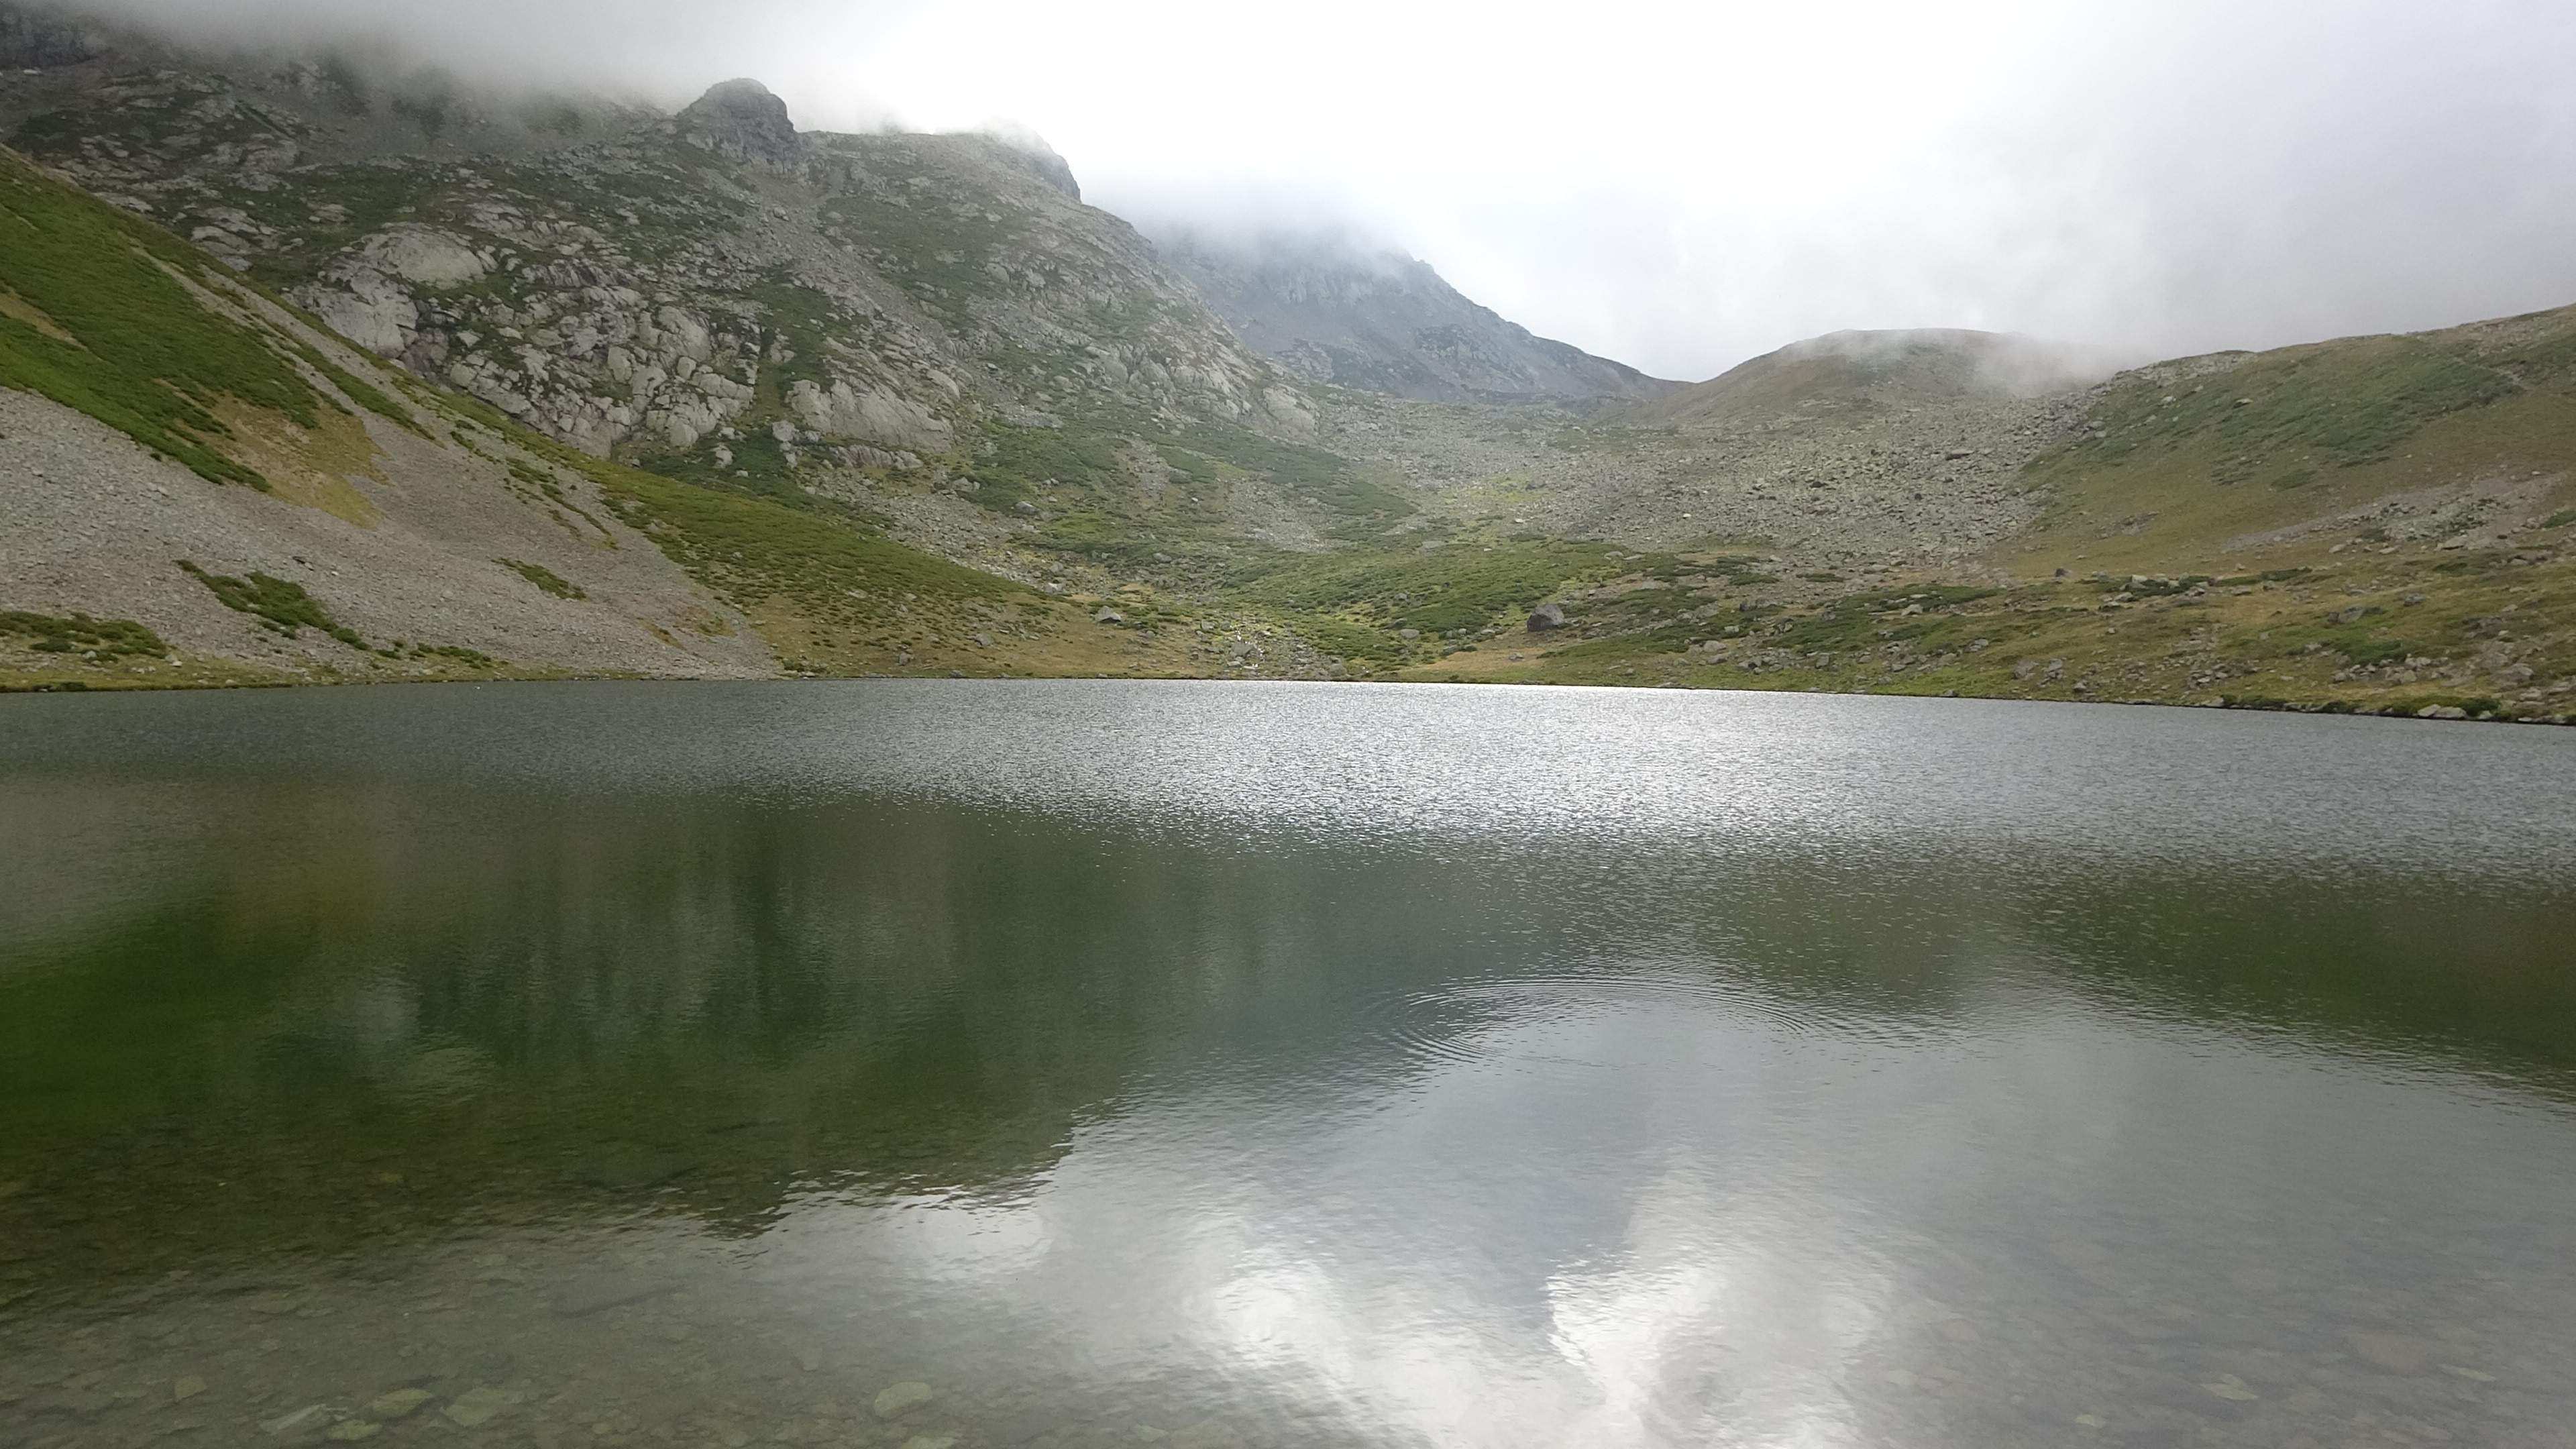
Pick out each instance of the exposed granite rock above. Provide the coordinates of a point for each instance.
(887, 296)
(742, 119)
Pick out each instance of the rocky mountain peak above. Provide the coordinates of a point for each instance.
(1334, 306)
(742, 117)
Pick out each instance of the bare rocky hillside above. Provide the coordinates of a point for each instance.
(1335, 310)
(311, 371)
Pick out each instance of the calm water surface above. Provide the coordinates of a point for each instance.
(1082, 1064)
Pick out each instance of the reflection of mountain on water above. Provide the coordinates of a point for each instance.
(469, 1011)
(269, 1019)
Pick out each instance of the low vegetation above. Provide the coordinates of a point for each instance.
(280, 605)
(546, 579)
(81, 634)
(105, 323)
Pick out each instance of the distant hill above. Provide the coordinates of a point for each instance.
(1340, 311)
(2381, 524)
(1866, 369)
(2461, 437)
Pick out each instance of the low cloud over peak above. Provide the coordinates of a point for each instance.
(1682, 186)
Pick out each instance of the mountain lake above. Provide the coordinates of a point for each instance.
(985, 1064)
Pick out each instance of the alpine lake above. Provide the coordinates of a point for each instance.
(1032, 1065)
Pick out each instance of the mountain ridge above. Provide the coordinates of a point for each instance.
(896, 402)
(1339, 311)
(1861, 367)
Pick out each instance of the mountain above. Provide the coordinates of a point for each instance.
(205, 486)
(925, 339)
(320, 369)
(1863, 370)
(1878, 448)
(2380, 523)
(1335, 310)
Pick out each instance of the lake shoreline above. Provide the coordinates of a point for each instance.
(2435, 713)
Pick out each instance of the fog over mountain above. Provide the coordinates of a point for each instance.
(1680, 187)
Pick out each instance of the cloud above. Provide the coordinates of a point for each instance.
(1681, 185)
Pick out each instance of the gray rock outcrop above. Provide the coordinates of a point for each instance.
(741, 118)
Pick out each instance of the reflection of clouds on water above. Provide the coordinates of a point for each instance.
(1697, 1323)
(1562, 1121)
(1622, 1277)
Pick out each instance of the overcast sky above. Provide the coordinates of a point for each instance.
(1681, 185)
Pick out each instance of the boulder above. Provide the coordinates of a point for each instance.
(1550, 615)
(368, 308)
(869, 415)
(424, 255)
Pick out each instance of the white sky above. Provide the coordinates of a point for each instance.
(1681, 185)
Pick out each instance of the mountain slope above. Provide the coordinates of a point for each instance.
(1335, 311)
(931, 333)
(1878, 370)
(252, 499)
(206, 487)
(732, 398)
(2374, 523)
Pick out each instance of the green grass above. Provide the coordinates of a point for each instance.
(1078, 480)
(1009, 462)
(79, 633)
(148, 122)
(1216, 453)
(751, 549)
(454, 653)
(1362, 597)
(2187, 468)
(280, 605)
(358, 391)
(145, 357)
(806, 319)
(544, 578)
(935, 251)
(2280, 415)
(370, 196)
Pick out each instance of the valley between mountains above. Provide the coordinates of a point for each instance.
(309, 374)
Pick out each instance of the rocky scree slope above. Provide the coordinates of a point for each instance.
(927, 338)
(710, 292)
(797, 351)
(199, 484)
(1857, 452)
(1333, 310)
(2382, 524)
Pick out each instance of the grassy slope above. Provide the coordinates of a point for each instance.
(2383, 523)
(1817, 375)
(111, 316)
(2294, 506)
(102, 321)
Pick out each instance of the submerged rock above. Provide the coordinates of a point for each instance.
(477, 1407)
(397, 1405)
(897, 1399)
